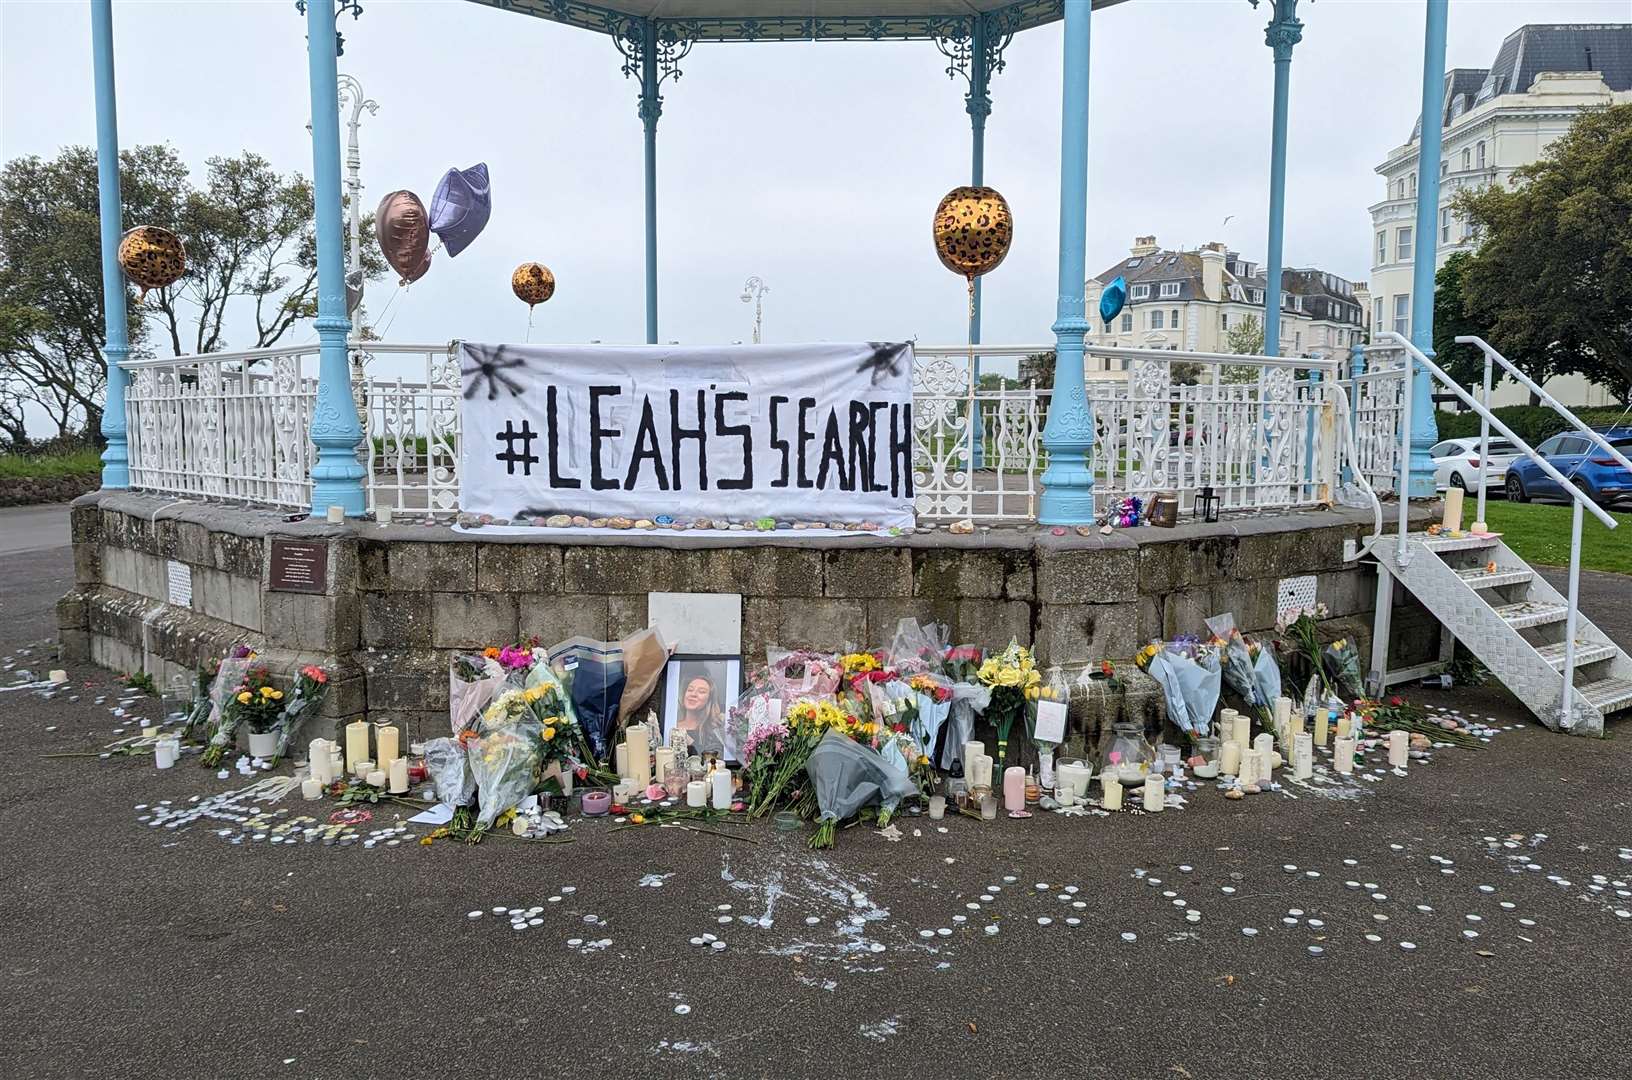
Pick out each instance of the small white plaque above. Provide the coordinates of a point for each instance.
(1050, 722)
(180, 578)
(706, 623)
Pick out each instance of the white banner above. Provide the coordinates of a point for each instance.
(800, 433)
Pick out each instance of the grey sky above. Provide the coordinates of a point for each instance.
(816, 166)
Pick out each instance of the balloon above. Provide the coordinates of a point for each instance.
(355, 280)
(1112, 299)
(532, 283)
(460, 207)
(152, 257)
(973, 229)
(404, 235)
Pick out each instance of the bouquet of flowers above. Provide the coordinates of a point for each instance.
(918, 649)
(963, 662)
(802, 673)
(1249, 668)
(253, 701)
(1190, 677)
(196, 727)
(473, 679)
(311, 686)
(1335, 667)
(846, 777)
(762, 748)
(806, 721)
(505, 751)
(1009, 675)
(229, 672)
(933, 701)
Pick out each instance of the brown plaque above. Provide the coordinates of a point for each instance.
(299, 566)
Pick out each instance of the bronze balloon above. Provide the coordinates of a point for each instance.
(404, 232)
(973, 229)
(532, 283)
(152, 257)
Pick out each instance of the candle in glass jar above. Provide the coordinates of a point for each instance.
(1343, 755)
(1323, 719)
(937, 807)
(1399, 744)
(1154, 786)
(662, 762)
(361, 768)
(696, 793)
(988, 807)
(1014, 788)
(337, 766)
(310, 789)
(356, 744)
(385, 744)
(1229, 760)
(375, 778)
(1110, 797)
(399, 775)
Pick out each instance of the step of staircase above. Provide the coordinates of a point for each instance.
(1478, 578)
(1531, 613)
(1584, 654)
(1465, 542)
(1607, 695)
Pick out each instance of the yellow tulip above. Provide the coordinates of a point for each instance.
(549, 733)
(243, 698)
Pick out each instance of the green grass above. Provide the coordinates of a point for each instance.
(1540, 533)
(50, 466)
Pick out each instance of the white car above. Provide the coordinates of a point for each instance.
(1456, 463)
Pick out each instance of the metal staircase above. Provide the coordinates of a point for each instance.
(1532, 638)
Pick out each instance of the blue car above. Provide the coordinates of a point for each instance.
(1603, 478)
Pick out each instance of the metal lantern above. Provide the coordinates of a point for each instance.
(1207, 504)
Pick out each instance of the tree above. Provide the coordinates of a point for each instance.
(1464, 363)
(1552, 280)
(1037, 369)
(1246, 337)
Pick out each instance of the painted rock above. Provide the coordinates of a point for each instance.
(962, 528)
(597, 523)
(870, 526)
(558, 521)
(498, 521)
(1085, 530)
(784, 524)
(645, 523)
(619, 523)
(1235, 793)
(580, 521)
(663, 519)
(702, 523)
(835, 525)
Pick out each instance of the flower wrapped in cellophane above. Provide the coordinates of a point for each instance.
(473, 679)
(846, 776)
(311, 687)
(806, 722)
(1009, 674)
(1189, 674)
(1248, 667)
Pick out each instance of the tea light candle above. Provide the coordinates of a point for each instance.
(1014, 788)
(382, 514)
(385, 744)
(356, 744)
(310, 789)
(1399, 743)
(336, 514)
(164, 753)
(638, 739)
(1241, 730)
(1453, 510)
(937, 807)
(361, 768)
(722, 789)
(988, 808)
(597, 803)
(1154, 787)
(622, 755)
(1110, 797)
(1343, 755)
(376, 778)
(662, 763)
(1303, 755)
(520, 824)
(1229, 759)
(696, 793)
(1323, 719)
(58, 676)
(399, 776)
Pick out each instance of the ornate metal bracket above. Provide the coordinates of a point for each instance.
(341, 7)
(958, 43)
(1284, 30)
(672, 46)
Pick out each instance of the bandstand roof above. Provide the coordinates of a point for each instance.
(795, 20)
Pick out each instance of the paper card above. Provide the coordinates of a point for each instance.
(709, 623)
(1050, 722)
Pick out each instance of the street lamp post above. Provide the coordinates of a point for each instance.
(351, 94)
(753, 291)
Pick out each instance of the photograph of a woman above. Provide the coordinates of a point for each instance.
(698, 692)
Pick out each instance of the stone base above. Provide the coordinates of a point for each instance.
(399, 599)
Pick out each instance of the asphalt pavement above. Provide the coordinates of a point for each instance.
(136, 950)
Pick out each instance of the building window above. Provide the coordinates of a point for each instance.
(1297, 341)
(1445, 225)
(1444, 167)
(1403, 240)
(1156, 318)
(1467, 159)
(1170, 288)
(1173, 321)
(1224, 320)
(1134, 262)
(1140, 292)
(1377, 315)
(1402, 314)
(1127, 322)
(1413, 185)
(1481, 154)
(1382, 247)
(1257, 296)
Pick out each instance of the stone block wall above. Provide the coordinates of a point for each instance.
(400, 599)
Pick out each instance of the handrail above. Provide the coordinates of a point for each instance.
(1173, 356)
(1529, 451)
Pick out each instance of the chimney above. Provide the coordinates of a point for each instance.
(1144, 245)
(1212, 271)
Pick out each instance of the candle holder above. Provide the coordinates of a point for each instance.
(1130, 756)
(1207, 752)
(988, 808)
(1207, 501)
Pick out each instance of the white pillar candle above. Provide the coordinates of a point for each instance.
(310, 789)
(1343, 726)
(1110, 792)
(1283, 715)
(1229, 758)
(1303, 756)
(1343, 755)
(356, 743)
(1265, 745)
(1154, 786)
(1399, 745)
(1453, 510)
(399, 775)
(1241, 730)
(696, 793)
(164, 753)
(622, 756)
(58, 676)
(376, 778)
(640, 758)
(385, 744)
(1251, 768)
(1323, 719)
(971, 751)
(663, 761)
(383, 515)
(317, 756)
(722, 789)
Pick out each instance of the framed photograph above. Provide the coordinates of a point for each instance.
(698, 692)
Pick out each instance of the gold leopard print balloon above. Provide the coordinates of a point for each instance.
(973, 229)
(532, 283)
(152, 257)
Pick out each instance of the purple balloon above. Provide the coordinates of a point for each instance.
(461, 206)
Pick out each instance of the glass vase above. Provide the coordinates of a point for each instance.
(1130, 756)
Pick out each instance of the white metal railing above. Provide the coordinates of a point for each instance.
(1580, 500)
(1260, 431)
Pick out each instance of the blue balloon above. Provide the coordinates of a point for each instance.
(1112, 299)
(461, 206)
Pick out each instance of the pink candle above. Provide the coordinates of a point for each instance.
(596, 803)
(1014, 788)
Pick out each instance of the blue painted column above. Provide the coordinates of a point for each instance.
(1424, 431)
(1068, 485)
(651, 107)
(337, 477)
(1283, 32)
(116, 457)
(978, 103)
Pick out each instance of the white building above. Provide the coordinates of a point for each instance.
(1495, 120)
(1189, 300)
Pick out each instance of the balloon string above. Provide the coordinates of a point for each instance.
(529, 336)
(401, 289)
